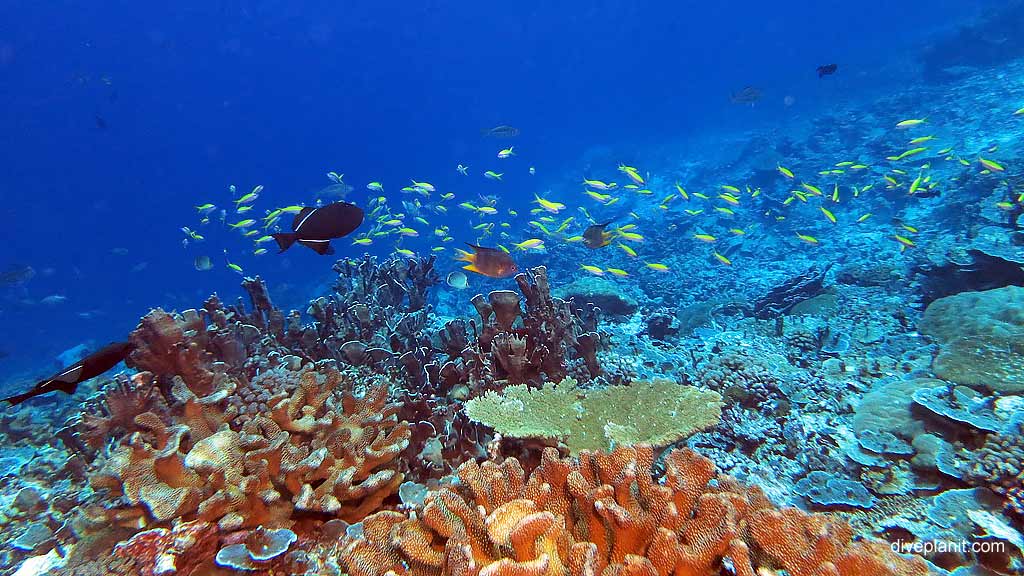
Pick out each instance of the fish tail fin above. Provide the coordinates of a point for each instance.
(285, 240)
(463, 256)
(472, 268)
(17, 398)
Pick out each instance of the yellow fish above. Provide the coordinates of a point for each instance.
(828, 214)
(991, 164)
(656, 266)
(531, 243)
(903, 124)
(592, 269)
(553, 207)
(627, 249)
(723, 259)
(785, 172)
(618, 272)
(599, 185)
(906, 242)
(682, 192)
(914, 185)
(705, 238)
(811, 188)
(808, 239)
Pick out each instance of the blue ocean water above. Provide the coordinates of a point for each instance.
(120, 117)
(821, 232)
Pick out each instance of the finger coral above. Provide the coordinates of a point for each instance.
(604, 513)
(659, 413)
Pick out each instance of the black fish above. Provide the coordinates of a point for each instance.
(595, 237)
(17, 275)
(68, 379)
(748, 95)
(314, 228)
(503, 131)
(827, 70)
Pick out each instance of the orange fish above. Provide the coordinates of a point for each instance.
(489, 262)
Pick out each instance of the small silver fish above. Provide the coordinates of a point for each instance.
(458, 280)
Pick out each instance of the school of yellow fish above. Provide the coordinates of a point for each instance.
(839, 191)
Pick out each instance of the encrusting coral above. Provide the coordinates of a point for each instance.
(604, 513)
(659, 413)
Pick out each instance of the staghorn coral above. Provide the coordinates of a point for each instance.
(606, 514)
(660, 413)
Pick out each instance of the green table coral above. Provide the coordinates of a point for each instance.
(659, 412)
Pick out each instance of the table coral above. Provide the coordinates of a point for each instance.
(604, 513)
(660, 412)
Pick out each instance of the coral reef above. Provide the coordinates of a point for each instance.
(316, 448)
(610, 297)
(606, 514)
(657, 413)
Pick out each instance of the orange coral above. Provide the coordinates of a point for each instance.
(169, 345)
(606, 514)
(319, 448)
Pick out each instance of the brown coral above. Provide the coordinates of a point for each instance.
(604, 513)
(318, 448)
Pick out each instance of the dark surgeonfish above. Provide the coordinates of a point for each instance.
(827, 70)
(68, 379)
(314, 228)
(17, 275)
(748, 95)
(595, 237)
(503, 131)
(489, 262)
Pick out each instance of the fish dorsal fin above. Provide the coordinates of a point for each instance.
(300, 217)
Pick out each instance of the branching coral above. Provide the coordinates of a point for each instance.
(658, 413)
(606, 514)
